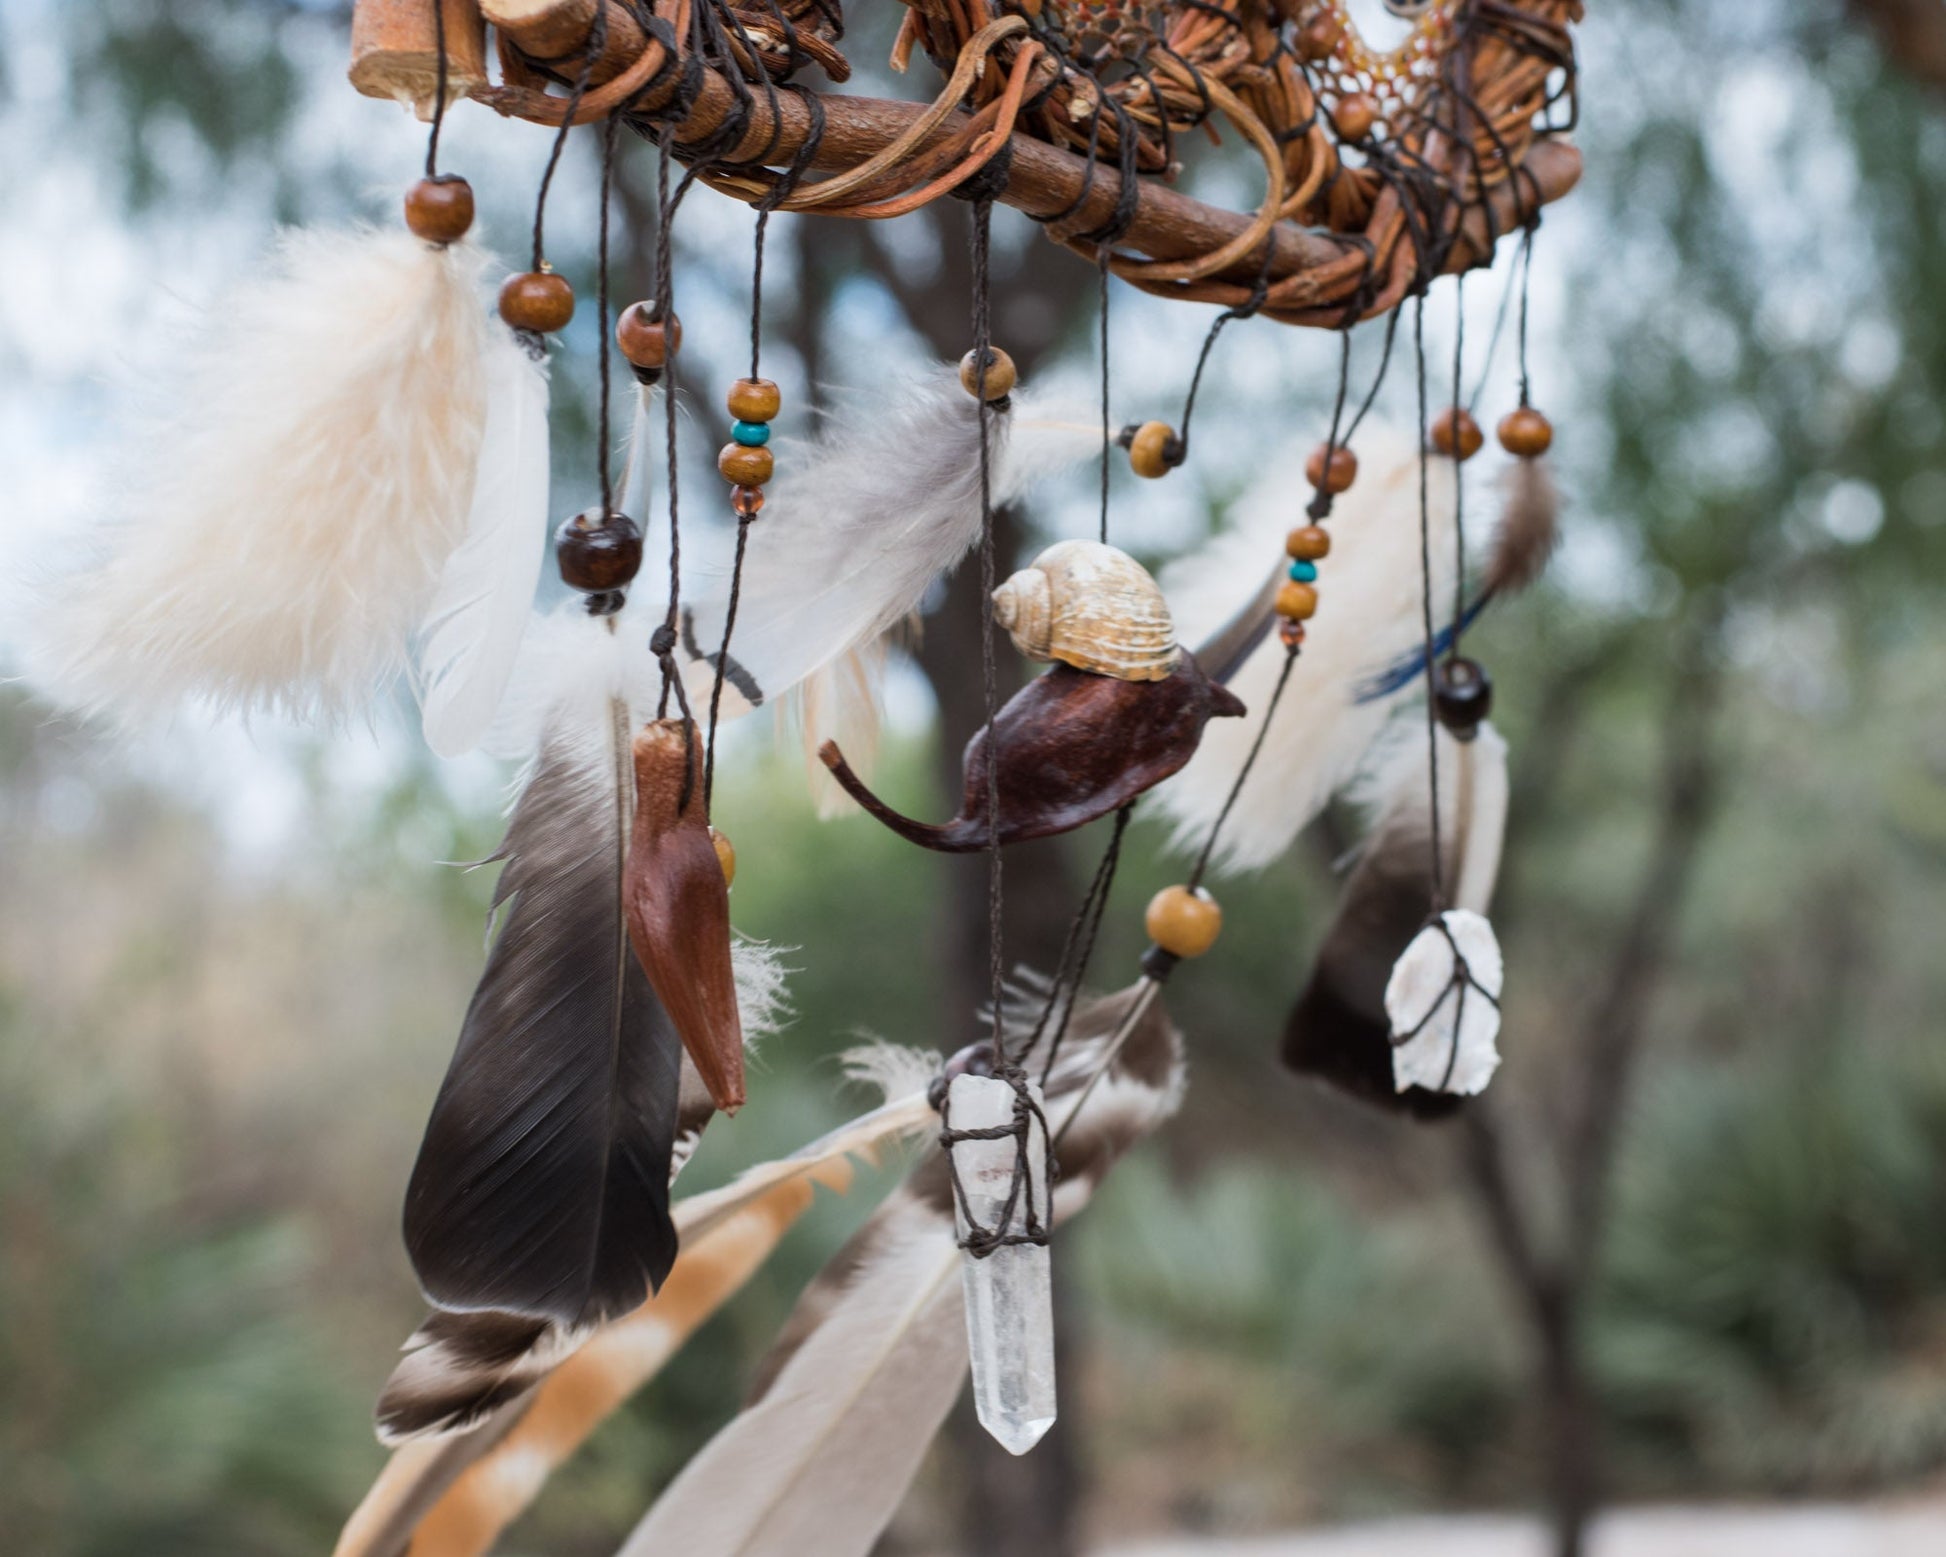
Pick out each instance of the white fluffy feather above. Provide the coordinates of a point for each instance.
(856, 528)
(280, 537)
(1369, 611)
(1394, 787)
(473, 630)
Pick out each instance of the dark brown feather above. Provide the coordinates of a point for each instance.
(542, 1185)
(1529, 528)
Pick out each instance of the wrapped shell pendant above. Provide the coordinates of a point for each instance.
(1093, 607)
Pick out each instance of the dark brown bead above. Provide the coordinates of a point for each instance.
(1525, 433)
(1155, 450)
(1355, 116)
(440, 210)
(745, 467)
(748, 501)
(596, 552)
(754, 400)
(1319, 39)
(1001, 375)
(537, 300)
(1455, 434)
(1307, 543)
(1462, 696)
(1343, 472)
(647, 342)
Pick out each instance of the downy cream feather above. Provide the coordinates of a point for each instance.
(473, 630)
(281, 535)
(1369, 611)
(856, 528)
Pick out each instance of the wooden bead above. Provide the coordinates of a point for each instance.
(647, 342)
(598, 552)
(726, 856)
(1307, 543)
(1455, 434)
(1290, 634)
(1001, 376)
(745, 467)
(1320, 37)
(1155, 450)
(1462, 696)
(1182, 921)
(537, 300)
(1297, 601)
(1355, 116)
(1525, 433)
(748, 501)
(1343, 472)
(440, 210)
(754, 400)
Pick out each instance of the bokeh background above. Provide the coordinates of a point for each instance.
(1687, 1251)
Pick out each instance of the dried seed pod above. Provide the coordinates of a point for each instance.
(677, 901)
(1073, 747)
(1093, 607)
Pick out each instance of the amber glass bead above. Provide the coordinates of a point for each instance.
(1354, 116)
(1001, 375)
(1455, 434)
(598, 552)
(1343, 471)
(537, 300)
(1462, 696)
(1155, 450)
(1183, 921)
(440, 210)
(1526, 433)
(1290, 634)
(754, 400)
(1307, 543)
(745, 467)
(748, 501)
(726, 856)
(1297, 601)
(647, 342)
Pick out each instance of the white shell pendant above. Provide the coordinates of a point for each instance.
(1444, 1002)
(1093, 607)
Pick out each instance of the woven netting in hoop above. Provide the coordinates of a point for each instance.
(1381, 167)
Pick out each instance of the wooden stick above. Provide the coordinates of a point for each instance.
(395, 51)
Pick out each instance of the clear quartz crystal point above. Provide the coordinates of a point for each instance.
(1010, 1293)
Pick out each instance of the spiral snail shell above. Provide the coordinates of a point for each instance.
(1093, 607)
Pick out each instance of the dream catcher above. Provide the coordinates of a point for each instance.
(355, 486)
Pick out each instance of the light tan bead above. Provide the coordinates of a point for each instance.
(1182, 921)
(1154, 450)
(745, 467)
(1307, 543)
(754, 400)
(1296, 601)
(1001, 376)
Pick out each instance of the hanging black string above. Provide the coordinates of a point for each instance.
(1102, 256)
(608, 130)
(597, 40)
(1078, 948)
(1425, 601)
(1526, 286)
(989, 670)
(439, 102)
(1459, 483)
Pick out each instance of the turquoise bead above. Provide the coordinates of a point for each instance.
(752, 435)
(1304, 572)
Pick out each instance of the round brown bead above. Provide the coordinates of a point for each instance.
(1343, 471)
(1319, 39)
(1455, 434)
(537, 300)
(1307, 543)
(1183, 921)
(1525, 433)
(598, 552)
(726, 856)
(1155, 450)
(1291, 634)
(745, 467)
(440, 210)
(1355, 116)
(1296, 601)
(748, 501)
(1001, 375)
(647, 342)
(754, 400)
